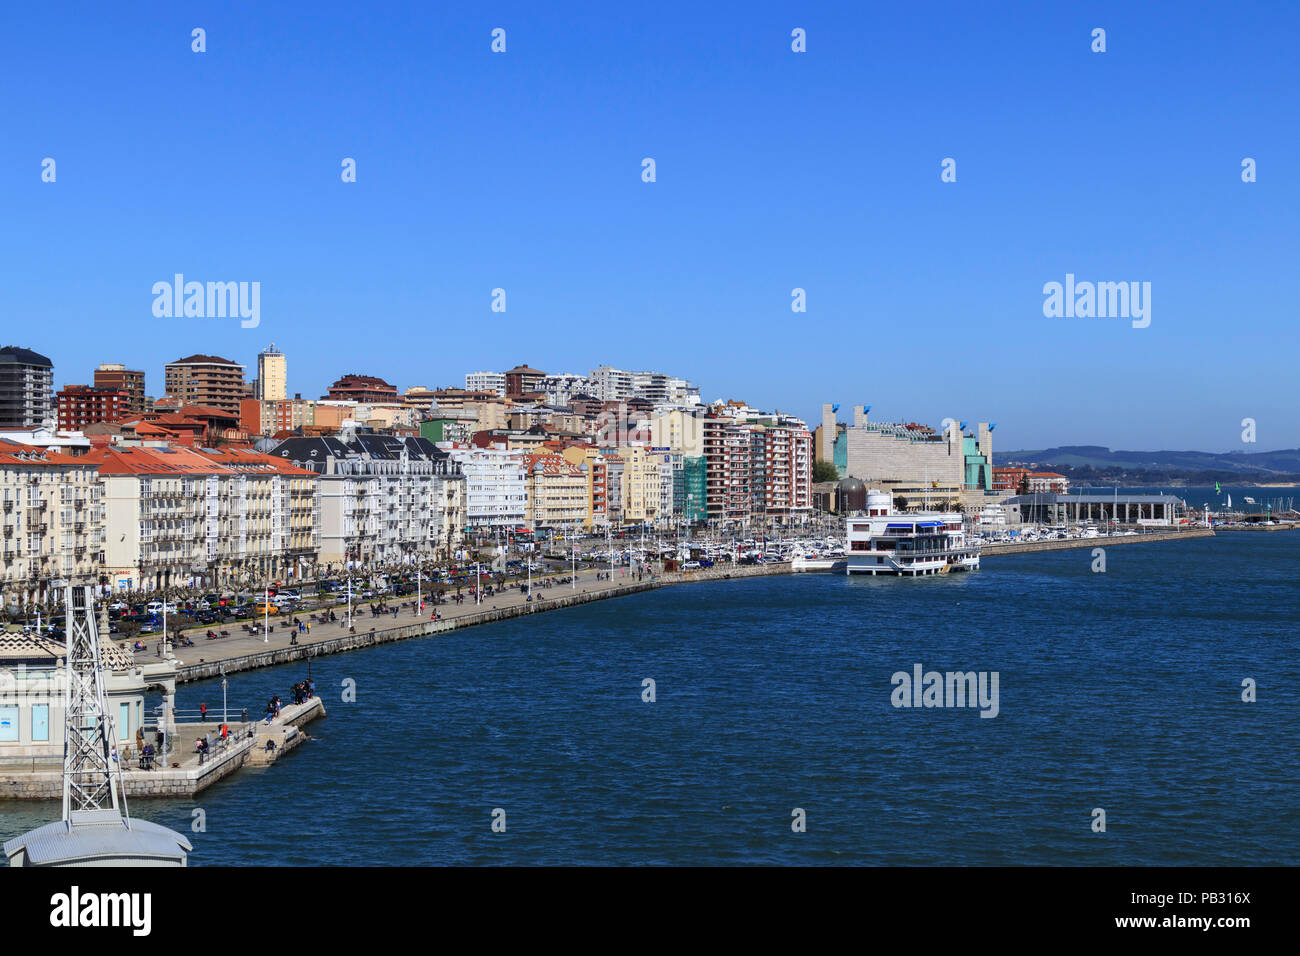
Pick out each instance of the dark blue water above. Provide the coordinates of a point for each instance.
(1118, 690)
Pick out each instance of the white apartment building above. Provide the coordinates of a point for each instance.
(52, 520)
(617, 385)
(204, 518)
(495, 486)
(383, 500)
(486, 382)
(558, 389)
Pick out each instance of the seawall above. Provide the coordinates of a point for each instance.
(993, 550)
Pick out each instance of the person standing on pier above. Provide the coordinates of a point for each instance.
(203, 712)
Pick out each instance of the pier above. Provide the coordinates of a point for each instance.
(182, 773)
(1101, 541)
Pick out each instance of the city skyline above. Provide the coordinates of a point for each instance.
(775, 171)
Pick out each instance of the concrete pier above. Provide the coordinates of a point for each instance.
(183, 775)
(1105, 541)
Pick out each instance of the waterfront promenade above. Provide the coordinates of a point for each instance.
(242, 650)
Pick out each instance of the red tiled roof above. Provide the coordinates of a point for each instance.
(153, 461)
(14, 453)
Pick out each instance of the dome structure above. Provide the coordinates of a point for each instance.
(850, 495)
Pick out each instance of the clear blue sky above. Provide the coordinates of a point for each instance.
(775, 170)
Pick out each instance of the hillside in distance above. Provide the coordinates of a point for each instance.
(1097, 462)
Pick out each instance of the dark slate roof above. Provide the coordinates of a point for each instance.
(13, 355)
(313, 452)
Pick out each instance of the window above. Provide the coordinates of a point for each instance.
(40, 722)
(9, 724)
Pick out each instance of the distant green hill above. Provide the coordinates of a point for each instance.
(1262, 465)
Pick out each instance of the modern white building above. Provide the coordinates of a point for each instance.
(486, 382)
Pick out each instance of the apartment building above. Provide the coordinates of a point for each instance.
(273, 416)
(203, 517)
(728, 462)
(496, 494)
(26, 389)
(52, 519)
(522, 380)
(679, 431)
(486, 382)
(272, 375)
(82, 405)
(115, 377)
(383, 499)
(362, 388)
(592, 463)
(206, 380)
(618, 385)
(559, 389)
(281, 535)
(556, 493)
(641, 485)
(786, 467)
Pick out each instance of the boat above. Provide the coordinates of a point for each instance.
(910, 544)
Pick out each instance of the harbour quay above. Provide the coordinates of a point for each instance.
(183, 772)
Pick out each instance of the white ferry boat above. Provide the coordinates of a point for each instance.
(928, 542)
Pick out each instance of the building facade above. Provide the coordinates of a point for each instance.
(115, 377)
(82, 405)
(383, 499)
(496, 495)
(52, 520)
(26, 389)
(206, 380)
(272, 375)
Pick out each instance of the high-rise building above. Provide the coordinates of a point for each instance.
(206, 380)
(272, 375)
(26, 389)
(115, 377)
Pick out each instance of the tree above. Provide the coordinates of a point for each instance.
(900, 503)
(825, 471)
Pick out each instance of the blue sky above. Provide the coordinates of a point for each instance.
(775, 170)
